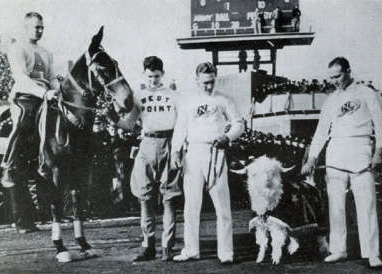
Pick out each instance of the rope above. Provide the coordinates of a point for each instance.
(345, 170)
(213, 162)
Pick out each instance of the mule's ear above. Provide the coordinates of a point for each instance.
(96, 41)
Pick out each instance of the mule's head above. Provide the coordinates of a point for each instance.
(105, 76)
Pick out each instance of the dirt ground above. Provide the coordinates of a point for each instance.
(118, 241)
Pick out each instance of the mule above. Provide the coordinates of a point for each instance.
(94, 89)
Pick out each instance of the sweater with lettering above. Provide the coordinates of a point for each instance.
(202, 118)
(353, 112)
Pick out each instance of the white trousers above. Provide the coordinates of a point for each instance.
(353, 154)
(198, 172)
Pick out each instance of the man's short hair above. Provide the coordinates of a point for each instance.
(153, 63)
(342, 62)
(33, 14)
(205, 67)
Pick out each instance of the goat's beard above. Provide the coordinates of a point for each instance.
(264, 199)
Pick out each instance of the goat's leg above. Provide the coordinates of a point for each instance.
(279, 236)
(262, 242)
(323, 245)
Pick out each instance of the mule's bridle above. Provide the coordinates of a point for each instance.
(93, 68)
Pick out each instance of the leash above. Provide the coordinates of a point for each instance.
(369, 168)
(213, 162)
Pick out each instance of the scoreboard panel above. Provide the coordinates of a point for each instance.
(230, 17)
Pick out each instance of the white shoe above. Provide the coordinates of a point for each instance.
(375, 262)
(182, 257)
(336, 257)
(63, 257)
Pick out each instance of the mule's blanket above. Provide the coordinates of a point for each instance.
(298, 209)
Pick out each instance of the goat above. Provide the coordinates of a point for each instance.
(267, 196)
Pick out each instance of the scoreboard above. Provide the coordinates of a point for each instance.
(230, 17)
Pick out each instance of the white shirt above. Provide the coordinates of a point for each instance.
(202, 118)
(353, 112)
(156, 107)
(31, 67)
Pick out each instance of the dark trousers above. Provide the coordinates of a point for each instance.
(23, 113)
(15, 162)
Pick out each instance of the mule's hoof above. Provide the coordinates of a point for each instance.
(89, 253)
(63, 257)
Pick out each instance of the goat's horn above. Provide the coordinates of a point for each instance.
(287, 169)
(239, 171)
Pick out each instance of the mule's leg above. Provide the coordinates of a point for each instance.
(86, 249)
(262, 241)
(57, 212)
(279, 236)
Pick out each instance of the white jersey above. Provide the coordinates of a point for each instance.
(31, 67)
(203, 118)
(354, 112)
(155, 107)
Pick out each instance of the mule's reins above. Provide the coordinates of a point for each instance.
(92, 68)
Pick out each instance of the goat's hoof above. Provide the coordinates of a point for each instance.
(63, 257)
(276, 259)
(259, 260)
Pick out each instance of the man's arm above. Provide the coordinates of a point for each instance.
(237, 123)
(319, 139)
(374, 104)
(51, 75)
(180, 129)
(18, 68)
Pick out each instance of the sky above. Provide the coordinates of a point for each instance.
(138, 28)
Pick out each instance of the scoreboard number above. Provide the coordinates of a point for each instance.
(215, 25)
(261, 4)
(235, 24)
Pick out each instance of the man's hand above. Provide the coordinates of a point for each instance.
(222, 141)
(51, 94)
(308, 167)
(176, 160)
(377, 158)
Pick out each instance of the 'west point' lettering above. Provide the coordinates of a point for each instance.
(156, 108)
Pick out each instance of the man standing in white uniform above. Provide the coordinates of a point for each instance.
(349, 117)
(202, 119)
